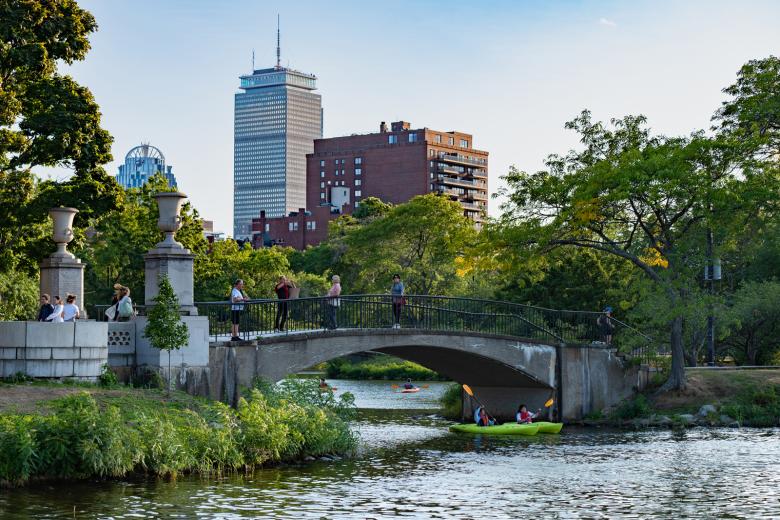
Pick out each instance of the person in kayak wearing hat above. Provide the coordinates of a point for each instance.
(606, 327)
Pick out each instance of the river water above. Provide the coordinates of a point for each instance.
(409, 465)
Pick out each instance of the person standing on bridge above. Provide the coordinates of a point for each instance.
(606, 327)
(282, 291)
(397, 292)
(333, 302)
(237, 299)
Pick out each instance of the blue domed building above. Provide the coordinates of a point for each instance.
(140, 164)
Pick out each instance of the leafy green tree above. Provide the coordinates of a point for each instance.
(755, 314)
(46, 119)
(645, 199)
(18, 296)
(419, 240)
(115, 253)
(259, 268)
(165, 330)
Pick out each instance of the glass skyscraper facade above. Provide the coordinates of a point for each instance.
(277, 119)
(141, 163)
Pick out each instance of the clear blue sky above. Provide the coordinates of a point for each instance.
(509, 72)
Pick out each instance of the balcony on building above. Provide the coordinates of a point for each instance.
(461, 160)
(459, 181)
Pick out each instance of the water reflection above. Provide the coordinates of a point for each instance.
(411, 466)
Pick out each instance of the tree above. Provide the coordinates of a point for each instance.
(645, 199)
(419, 240)
(165, 330)
(46, 119)
(755, 313)
(121, 238)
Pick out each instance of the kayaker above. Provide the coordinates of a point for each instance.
(482, 418)
(526, 417)
(323, 384)
(408, 385)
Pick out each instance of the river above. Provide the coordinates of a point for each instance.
(409, 465)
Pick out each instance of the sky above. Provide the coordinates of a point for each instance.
(509, 72)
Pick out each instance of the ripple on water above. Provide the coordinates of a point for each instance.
(413, 467)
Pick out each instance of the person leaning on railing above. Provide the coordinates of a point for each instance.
(282, 290)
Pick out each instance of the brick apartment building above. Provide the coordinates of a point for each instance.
(394, 165)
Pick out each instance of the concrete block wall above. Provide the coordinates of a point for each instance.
(121, 344)
(53, 350)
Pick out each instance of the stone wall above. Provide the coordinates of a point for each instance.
(53, 350)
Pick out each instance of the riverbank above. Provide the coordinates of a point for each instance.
(51, 431)
(381, 367)
(711, 398)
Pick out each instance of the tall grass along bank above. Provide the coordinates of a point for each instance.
(113, 433)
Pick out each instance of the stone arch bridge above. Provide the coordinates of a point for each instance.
(507, 353)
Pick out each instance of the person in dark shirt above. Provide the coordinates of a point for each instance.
(282, 290)
(46, 308)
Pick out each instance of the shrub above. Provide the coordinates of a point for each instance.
(755, 406)
(452, 402)
(639, 406)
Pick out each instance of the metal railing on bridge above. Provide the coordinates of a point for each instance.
(434, 313)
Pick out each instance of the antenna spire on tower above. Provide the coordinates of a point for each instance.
(278, 45)
(253, 61)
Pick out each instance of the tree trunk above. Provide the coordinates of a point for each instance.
(169, 373)
(676, 379)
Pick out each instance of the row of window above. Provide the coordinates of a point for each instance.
(358, 182)
(358, 171)
(336, 162)
(293, 226)
(358, 193)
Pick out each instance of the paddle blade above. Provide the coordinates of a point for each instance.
(393, 386)
(468, 390)
(425, 386)
(549, 403)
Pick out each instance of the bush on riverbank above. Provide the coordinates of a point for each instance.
(110, 435)
(452, 402)
(382, 368)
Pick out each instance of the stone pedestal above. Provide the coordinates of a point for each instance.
(61, 276)
(176, 262)
(62, 273)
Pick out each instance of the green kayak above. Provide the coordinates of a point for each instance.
(503, 429)
(549, 427)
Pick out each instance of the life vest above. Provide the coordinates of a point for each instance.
(524, 417)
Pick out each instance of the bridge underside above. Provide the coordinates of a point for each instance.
(465, 367)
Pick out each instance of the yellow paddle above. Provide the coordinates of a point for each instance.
(549, 402)
(393, 386)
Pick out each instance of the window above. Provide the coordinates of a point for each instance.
(358, 171)
(322, 163)
(437, 138)
(292, 226)
(322, 174)
(322, 195)
(336, 162)
(267, 228)
(311, 225)
(322, 184)
(342, 161)
(464, 143)
(358, 182)
(358, 160)
(452, 141)
(392, 139)
(412, 138)
(358, 193)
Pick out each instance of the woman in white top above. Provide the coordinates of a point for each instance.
(70, 311)
(124, 307)
(56, 315)
(333, 302)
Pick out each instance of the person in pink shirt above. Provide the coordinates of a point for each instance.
(332, 303)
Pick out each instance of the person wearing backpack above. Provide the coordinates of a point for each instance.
(124, 307)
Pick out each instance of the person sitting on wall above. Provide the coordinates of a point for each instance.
(46, 308)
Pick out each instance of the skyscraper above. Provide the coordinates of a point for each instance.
(141, 163)
(277, 118)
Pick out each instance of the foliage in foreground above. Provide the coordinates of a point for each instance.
(452, 402)
(382, 368)
(82, 439)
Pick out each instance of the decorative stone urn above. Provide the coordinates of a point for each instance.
(169, 221)
(63, 230)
